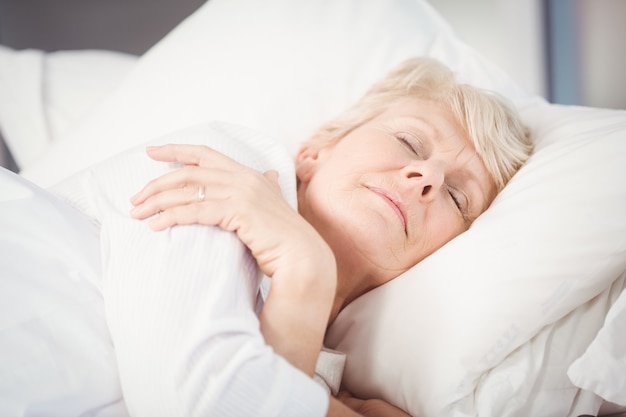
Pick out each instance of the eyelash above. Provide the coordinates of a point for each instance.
(407, 143)
(457, 202)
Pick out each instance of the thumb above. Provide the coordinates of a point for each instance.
(272, 177)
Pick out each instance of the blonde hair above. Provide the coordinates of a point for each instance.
(491, 123)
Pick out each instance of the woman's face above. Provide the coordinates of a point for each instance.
(394, 190)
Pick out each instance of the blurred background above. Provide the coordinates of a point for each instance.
(569, 51)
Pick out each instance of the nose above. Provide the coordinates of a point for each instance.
(426, 177)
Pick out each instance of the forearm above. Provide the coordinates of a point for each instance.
(297, 309)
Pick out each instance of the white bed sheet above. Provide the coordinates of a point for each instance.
(56, 355)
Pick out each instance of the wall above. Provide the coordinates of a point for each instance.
(603, 52)
(576, 55)
(508, 32)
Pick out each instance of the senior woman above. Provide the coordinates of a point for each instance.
(381, 187)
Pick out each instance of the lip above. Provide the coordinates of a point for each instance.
(393, 202)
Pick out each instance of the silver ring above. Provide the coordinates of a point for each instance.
(201, 194)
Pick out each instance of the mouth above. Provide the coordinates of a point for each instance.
(394, 203)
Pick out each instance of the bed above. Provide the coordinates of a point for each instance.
(522, 315)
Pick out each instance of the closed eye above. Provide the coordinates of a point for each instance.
(409, 142)
(456, 200)
(459, 199)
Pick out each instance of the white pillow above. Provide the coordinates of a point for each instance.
(74, 82)
(279, 66)
(602, 368)
(22, 116)
(551, 242)
(532, 380)
(43, 94)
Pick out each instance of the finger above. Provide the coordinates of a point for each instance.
(181, 187)
(188, 176)
(164, 200)
(199, 155)
(185, 154)
(185, 215)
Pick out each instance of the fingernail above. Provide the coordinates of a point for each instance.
(154, 225)
(137, 211)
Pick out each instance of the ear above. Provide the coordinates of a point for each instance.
(309, 158)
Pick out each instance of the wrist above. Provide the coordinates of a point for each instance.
(298, 306)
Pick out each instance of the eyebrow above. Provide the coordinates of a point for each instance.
(421, 122)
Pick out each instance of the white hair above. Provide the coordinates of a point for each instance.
(489, 120)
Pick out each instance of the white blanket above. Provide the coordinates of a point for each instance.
(56, 355)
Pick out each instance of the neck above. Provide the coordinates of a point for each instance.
(349, 287)
(338, 305)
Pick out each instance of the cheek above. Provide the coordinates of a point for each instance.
(441, 225)
(449, 227)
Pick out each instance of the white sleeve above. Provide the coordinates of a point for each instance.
(180, 308)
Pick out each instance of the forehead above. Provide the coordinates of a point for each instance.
(435, 124)
(435, 116)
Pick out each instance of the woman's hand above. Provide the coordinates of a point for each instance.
(212, 189)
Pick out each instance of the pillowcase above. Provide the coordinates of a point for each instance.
(74, 82)
(602, 367)
(293, 67)
(22, 117)
(431, 340)
(532, 381)
(44, 94)
(551, 241)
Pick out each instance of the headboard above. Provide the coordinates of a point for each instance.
(125, 26)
